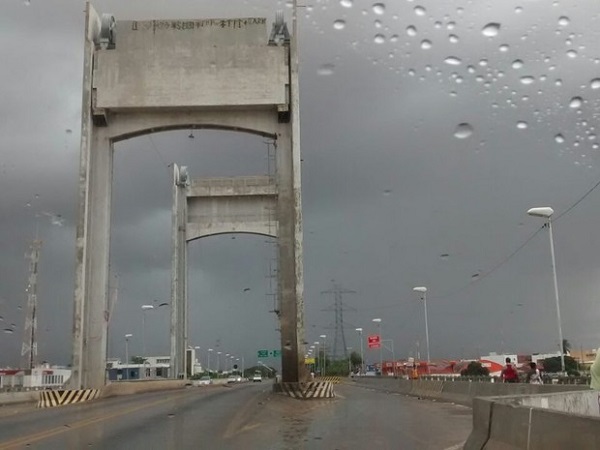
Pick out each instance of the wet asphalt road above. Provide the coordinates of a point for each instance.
(244, 416)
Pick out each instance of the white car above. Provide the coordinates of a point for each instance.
(232, 379)
(204, 381)
(257, 378)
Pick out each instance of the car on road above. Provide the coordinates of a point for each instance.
(204, 381)
(257, 377)
(232, 379)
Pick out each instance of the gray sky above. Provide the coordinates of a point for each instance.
(388, 189)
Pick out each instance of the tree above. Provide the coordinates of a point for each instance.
(138, 360)
(355, 359)
(475, 369)
(552, 365)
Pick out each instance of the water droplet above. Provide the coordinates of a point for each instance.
(27, 2)
(491, 29)
(595, 83)
(518, 10)
(558, 82)
(451, 26)
(559, 138)
(572, 53)
(444, 256)
(378, 24)
(426, 44)
(420, 11)
(339, 24)
(453, 61)
(326, 69)
(463, 131)
(483, 62)
(475, 276)
(563, 21)
(411, 31)
(504, 48)
(517, 64)
(394, 38)
(527, 80)
(379, 39)
(453, 38)
(378, 8)
(387, 192)
(346, 3)
(576, 102)
(521, 125)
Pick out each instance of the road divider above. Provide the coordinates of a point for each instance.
(49, 399)
(306, 391)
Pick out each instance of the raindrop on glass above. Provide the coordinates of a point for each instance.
(453, 61)
(563, 21)
(576, 102)
(595, 83)
(339, 24)
(491, 29)
(444, 256)
(463, 131)
(453, 38)
(420, 11)
(518, 10)
(326, 69)
(521, 125)
(527, 80)
(379, 39)
(346, 3)
(411, 30)
(504, 48)
(378, 8)
(517, 64)
(559, 138)
(394, 38)
(572, 53)
(425, 44)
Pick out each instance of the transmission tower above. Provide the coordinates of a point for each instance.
(338, 307)
(29, 349)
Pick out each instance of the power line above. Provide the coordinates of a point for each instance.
(577, 202)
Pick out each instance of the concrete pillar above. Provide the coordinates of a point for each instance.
(179, 306)
(92, 300)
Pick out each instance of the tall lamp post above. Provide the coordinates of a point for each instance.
(378, 322)
(324, 337)
(127, 336)
(546, 212)
(210, 350)
(218, 363)
(144, 309)
(362, 357)
(423, 291)
(318, 357)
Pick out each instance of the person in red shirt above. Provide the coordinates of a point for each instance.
(509, 374)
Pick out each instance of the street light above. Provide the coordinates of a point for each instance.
(210, 350)
(324, 337)
(218, 363)
(378, 322)
(423, 291)
(127, 336)
(546, 212)
(362, 358)
(318, 356)
(144, 309)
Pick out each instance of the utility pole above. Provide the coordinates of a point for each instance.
(339, 337)
(29, 350)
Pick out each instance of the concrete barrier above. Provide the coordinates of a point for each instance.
(306, 391)
(138, 387)
(13, 398)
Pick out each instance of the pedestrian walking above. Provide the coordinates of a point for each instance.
(509, 374)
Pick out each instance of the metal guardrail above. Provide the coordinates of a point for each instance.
(547, 378)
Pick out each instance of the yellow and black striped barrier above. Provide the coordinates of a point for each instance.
(306, 391)
(334, 380)
(50, 399)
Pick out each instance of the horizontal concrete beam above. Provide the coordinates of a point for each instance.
(138, 387)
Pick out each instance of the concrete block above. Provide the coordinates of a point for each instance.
(482, 417)
(13, 398)
(137, 387)
(509, 427)
(553, 430)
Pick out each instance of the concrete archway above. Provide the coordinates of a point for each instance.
(227, 74)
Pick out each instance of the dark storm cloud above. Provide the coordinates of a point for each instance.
(387, 187)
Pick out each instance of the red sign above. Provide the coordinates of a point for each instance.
(374, 341)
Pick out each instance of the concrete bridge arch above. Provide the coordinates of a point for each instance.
(143, 77)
